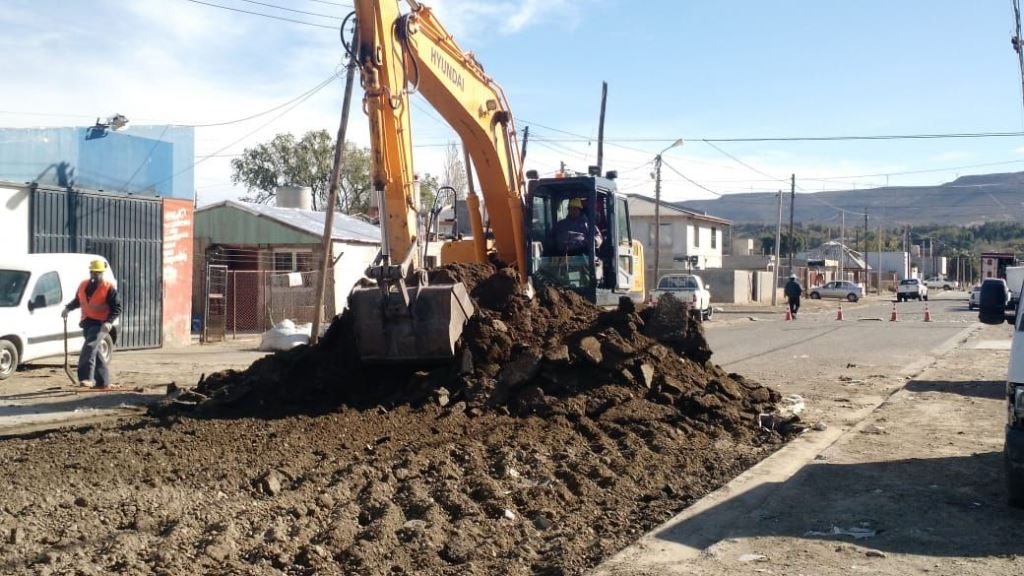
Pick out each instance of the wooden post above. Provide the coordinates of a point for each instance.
(600, 129)
(332, 196)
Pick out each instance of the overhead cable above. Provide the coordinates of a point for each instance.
(292, 20)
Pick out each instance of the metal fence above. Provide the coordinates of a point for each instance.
(254, 301)
(128, 232)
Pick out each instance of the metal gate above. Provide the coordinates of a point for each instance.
(127, 231)
(216, 314)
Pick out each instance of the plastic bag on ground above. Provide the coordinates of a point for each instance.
(285, 335)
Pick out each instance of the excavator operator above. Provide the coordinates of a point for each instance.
(571, 232)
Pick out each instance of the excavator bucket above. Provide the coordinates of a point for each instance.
(422, 328)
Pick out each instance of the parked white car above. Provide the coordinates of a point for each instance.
(688, 288)
(942, 283)
(33, 291)
(972, 300)
(838, 289)
(911, 289)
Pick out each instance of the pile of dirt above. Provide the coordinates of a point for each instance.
(559, 435)
(554, 354)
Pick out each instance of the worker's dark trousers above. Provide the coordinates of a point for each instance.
(794, 305)
(90, 364)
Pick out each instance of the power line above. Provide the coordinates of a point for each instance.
(282, 18)
(145, 160)
(316, 88)
(854, 137)
(748, 166)
(585, 138)
(744, 164)
(331, 3)
(688, 179)
(202, 159)
(276, 7)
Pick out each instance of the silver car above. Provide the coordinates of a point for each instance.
(838, 289)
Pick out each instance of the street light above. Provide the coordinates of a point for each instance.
(657, 207)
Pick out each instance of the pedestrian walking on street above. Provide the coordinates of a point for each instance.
(97, 297)
(793, 290)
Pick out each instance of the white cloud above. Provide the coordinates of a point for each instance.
(951, 156)
(474, 19)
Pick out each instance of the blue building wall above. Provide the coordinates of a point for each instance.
(150, 160)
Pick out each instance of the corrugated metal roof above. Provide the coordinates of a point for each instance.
(346, 228)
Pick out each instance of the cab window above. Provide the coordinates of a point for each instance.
(49, 287)
(12, 286)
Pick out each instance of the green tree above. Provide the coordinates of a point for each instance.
(428, 189)
(287, 161)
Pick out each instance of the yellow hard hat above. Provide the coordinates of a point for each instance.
(576, 203)
(97, 266)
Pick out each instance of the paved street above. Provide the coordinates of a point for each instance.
(904, 475)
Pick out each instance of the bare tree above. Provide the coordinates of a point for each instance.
(454, 173)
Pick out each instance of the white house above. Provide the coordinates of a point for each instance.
(684, 234)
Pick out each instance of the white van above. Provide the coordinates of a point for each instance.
(1013, 449)
(33, 290)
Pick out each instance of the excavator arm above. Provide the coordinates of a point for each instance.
(397, 54)
(413, 51)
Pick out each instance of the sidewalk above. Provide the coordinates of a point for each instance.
(915, 488)
(807, 305)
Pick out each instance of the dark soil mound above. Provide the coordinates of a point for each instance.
(558, 435)
(554, 354)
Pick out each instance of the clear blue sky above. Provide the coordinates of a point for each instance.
(676, 69)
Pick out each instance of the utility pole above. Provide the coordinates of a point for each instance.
(1018, 43)
(879, 259)
(600, 129)
(332, 195)
(522, 154)
(792, 204)
(778, 258)
(865, 246)
(657, 218)
(657, 208)
(842, 246)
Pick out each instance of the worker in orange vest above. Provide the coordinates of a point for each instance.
(97, 297)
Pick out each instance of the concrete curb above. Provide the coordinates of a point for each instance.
(709, 520)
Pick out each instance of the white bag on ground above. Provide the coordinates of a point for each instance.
(285, 336)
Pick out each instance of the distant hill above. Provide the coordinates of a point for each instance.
(964, 201)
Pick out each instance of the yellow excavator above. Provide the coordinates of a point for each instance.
(572, 232)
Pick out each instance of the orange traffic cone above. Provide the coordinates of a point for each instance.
(839, 315)
(894, 317)
(927, 313)
(789, 314)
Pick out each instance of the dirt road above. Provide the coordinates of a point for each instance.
(427, 490)
(40, 397)
(601, 432)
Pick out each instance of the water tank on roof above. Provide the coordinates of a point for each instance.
(295, 197)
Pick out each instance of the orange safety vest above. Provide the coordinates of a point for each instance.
(95, 307)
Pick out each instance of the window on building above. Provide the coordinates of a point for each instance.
(666, 235)
(293, 260)
(714, 237)
(696, 236)
(49, 287)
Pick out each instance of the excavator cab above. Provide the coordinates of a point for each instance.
(579, 238)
